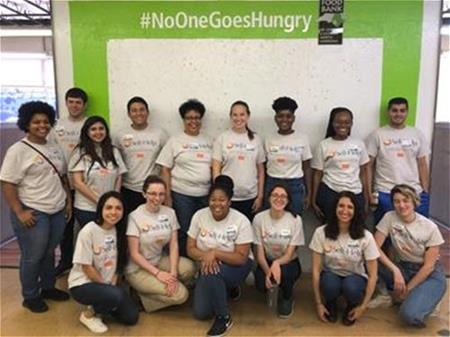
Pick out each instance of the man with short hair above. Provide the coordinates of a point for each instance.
(398, 155)
(66, 133)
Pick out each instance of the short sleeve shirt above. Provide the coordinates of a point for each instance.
(286, 154)
(38, 184)
(139, 149)
(340, 162)
(396, 152)
(276, 235)
(153, 230)
(410, 240)
(345, 256)
(223, 235)
(99, 179)
(239, 157)
(96, 247)
(189, 158)
(66, 133)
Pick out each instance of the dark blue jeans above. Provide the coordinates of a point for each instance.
(37, 251)
(210, 293)
(422, 300)
(290, 273)
(107, 299)
(245, 207)
(326, 199)
(185, 207)
(296, 188)
(385, 205)
(352, 287)
(83, 217)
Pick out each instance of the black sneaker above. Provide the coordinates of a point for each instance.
(332, 311)
(54, 294)
(36, 305)
(62, 269)
(220, 326)
(345, 320)
(285, 308)
(235, 293)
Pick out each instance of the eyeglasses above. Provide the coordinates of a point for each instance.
(279, 196)
(154, 194)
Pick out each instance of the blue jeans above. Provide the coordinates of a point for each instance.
(296, 188)
(326, 200)
(290, 273)
(107, 299)
(352, 287)
(385, 205)
(185, 207)
(422, 300)
(37, 251)
(210, 293)
(245, 207)
(83, 217)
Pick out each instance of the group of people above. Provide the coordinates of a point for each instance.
(168, 214)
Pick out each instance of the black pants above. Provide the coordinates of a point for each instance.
(131, 199)
(66, 244)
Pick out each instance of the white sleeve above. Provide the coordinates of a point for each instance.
(298, 238)
(166, 156)
(83, 249)
(194, 228)
(317, 161)
(317, 240)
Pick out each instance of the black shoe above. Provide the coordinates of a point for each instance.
(220, 326)
(62, 269)
(35, 305)
(332, 311)
(54, 294)
(235, 293)
(345, 320)
(285, 308)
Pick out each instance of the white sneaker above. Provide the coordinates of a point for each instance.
(381, 300)
(93, 323)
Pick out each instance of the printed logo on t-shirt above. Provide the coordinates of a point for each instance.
(127, 140)
(59, 131)
(38, 160)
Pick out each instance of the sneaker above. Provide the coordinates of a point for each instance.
(345, 320)
(93, 323)
(36, 305)
(220, 326)
(382, 300)
(62, 269)
(285, 308)
(54, 294)
(235, 293)
(332, 311)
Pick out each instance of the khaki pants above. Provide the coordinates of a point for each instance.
(153, 292)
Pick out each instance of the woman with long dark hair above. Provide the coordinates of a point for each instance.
(342, 251)
(340, 164)
(100, 257)
(278, 233)
(96, 167)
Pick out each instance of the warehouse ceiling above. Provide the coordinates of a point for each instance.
(25, 13)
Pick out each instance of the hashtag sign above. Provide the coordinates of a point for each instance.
(145, 20)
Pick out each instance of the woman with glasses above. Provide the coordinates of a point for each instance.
(185, 163)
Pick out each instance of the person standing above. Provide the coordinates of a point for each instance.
(398, 155)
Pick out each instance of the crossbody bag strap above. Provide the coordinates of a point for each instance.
(46, 158)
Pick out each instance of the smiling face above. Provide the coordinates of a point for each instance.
(345, 211)
(112, 212)
(284, 120)
(155, 196)
(138, 114)
(278, 199)
(239, 117)
(342, 124)
(39, 127)
(404, 206)
(192, 122)
(76, 107)
(397, 115)
(97, 132)
(219, 204)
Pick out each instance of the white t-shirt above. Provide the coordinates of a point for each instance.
(340, 162)
(189, 158)
(99, 179)
(223, 235)
(66, 133)
(396, 152)
(239, 156)
(153, 230)
(286, 154)
(38, 185)
(345, 256)
(277, 234)
(96, 247)
(410, 239)
(139, 149)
